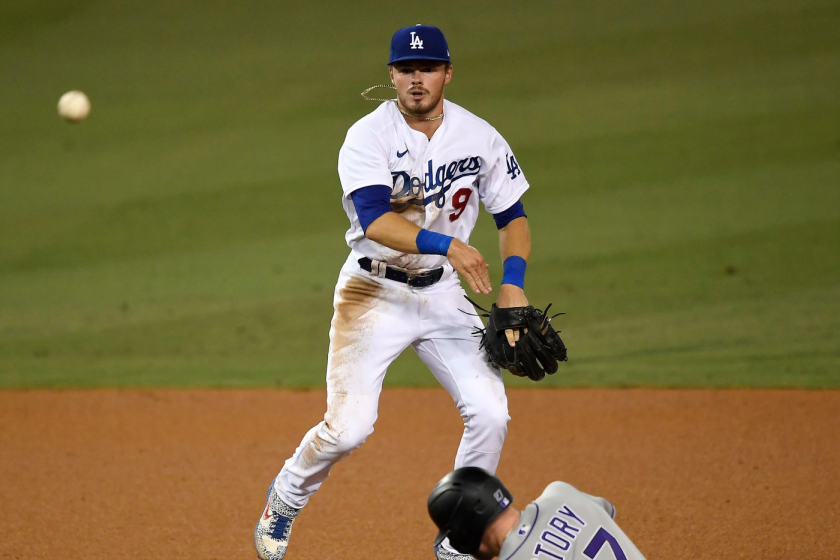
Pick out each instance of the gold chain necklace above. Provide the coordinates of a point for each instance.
(401, 110)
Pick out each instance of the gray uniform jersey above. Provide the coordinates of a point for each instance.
(566, 524)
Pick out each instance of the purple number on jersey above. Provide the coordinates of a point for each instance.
(597, 542)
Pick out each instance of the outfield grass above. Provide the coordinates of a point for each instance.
(684, 161)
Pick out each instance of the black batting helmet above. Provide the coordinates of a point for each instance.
(464, 503)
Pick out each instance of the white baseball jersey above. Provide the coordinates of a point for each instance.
(566, 524)
(436, 184)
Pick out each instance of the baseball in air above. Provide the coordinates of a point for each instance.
(74, 106)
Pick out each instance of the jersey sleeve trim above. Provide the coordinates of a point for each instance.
(353, 189)
(371, 203)
(612, 509)
(505, 217)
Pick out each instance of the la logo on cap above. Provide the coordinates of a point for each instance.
(416, 42)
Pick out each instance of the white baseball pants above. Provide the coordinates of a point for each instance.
(374, 321)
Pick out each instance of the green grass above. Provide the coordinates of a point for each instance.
(684, 161)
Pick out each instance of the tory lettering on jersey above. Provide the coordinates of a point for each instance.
(561, 531)
(437, 180)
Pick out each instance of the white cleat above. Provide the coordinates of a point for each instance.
(271, 537)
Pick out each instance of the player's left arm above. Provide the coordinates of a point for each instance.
(501, 190)
(515, 248)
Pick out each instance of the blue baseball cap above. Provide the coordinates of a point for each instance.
(420, 42)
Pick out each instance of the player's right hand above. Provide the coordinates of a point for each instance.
(469, 263)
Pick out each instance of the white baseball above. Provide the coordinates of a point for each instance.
(74, 106)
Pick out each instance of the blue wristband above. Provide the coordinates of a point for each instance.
(431, 243)
(515, 271)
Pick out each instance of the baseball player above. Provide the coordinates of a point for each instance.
(471, 507)
(413, 173)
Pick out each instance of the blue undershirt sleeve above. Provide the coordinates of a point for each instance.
(371, 202)
(507, 216)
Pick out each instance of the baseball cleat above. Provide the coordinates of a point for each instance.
(444, 554)
(271, 537)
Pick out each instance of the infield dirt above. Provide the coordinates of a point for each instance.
(183, 473)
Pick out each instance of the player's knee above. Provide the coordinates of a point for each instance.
(498, 419)
(351, 436)
(492, 419)
(349, 431)
(349, 421)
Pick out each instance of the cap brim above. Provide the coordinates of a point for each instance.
(440, 536)
(405, 58)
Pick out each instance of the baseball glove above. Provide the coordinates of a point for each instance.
(536, 352)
